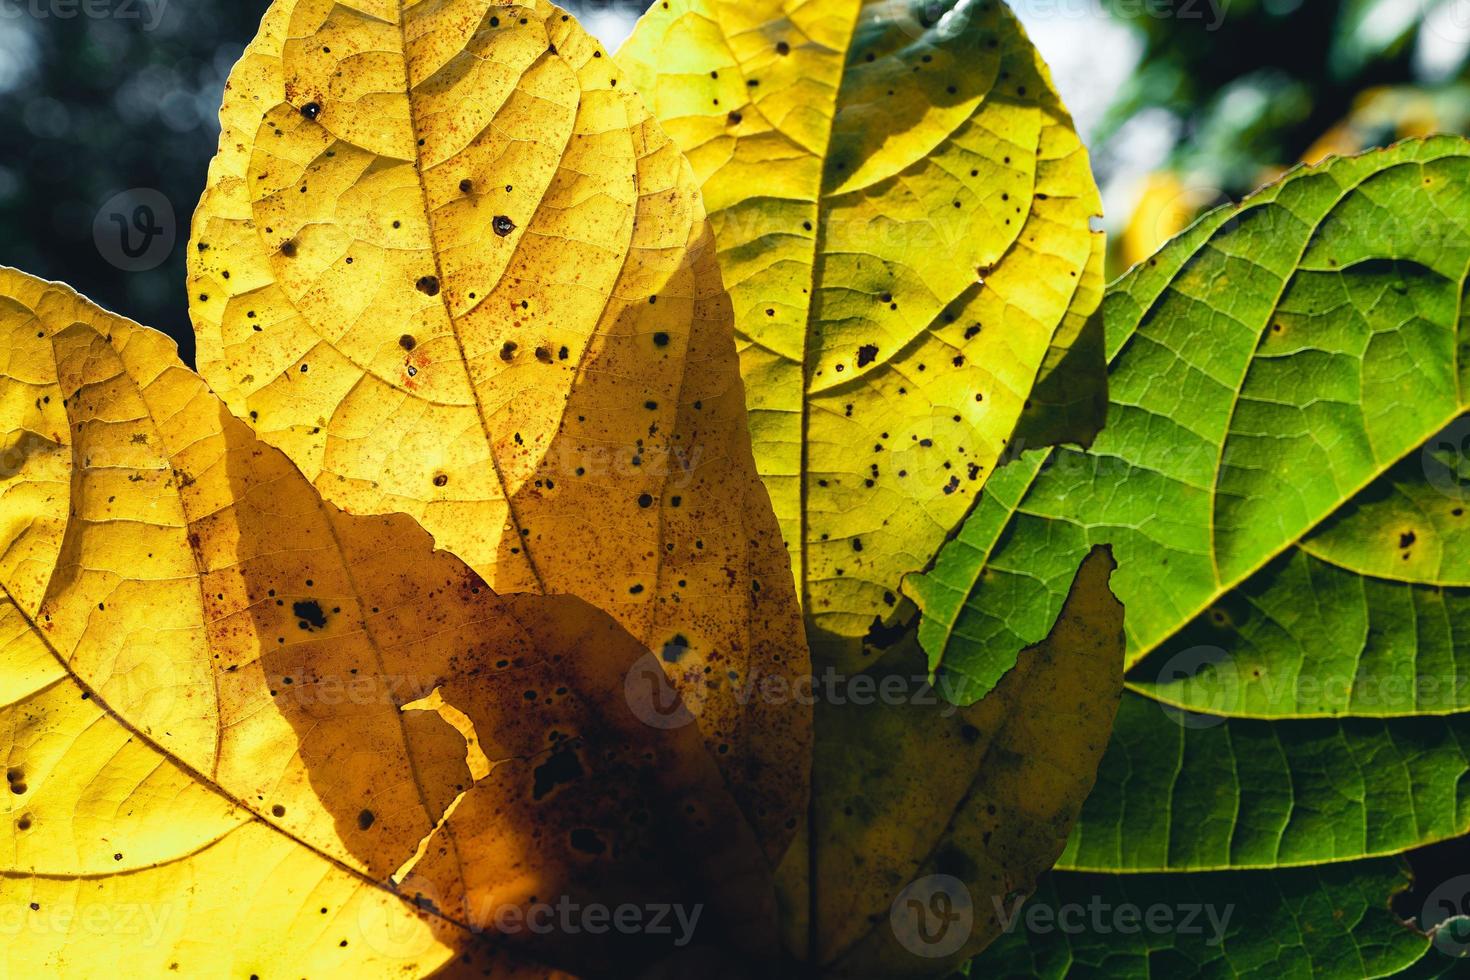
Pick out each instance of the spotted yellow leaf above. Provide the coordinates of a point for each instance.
(902, 209)
(289, 737)
(450, 265)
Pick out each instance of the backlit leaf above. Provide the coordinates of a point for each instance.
(1304, 923)
(1283, 480)
(224, 696)
(1196, 792)
(911, 788)
(1283, 475)
(448, 263)
(902, 212)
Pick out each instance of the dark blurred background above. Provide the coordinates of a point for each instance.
(108, 113)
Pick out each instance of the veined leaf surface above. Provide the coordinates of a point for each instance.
(206, 665)
(1283, 478)
(1258, 925)
(1283, 474)
(1196, 792)
(902, 213)
(448, 263)
(918, 802)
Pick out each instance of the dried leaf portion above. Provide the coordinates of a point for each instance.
(902, 210)
(448, 263)
(269, 656)
(929, 820)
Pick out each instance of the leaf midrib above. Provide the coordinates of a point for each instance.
(1223, 588)
(199, 778)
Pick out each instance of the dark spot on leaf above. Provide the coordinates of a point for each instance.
(309, 612)
(866, 354)
(428, 285)
(562, 767)
(503, 225)
(675, 649)
(882, 637)
(365, 819)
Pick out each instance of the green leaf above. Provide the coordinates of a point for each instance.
(1182, 791)
(1284, 481)
(902, 212)
(1303, 923)
(1283, 473)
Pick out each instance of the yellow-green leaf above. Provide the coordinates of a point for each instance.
(959, 810)
(902, 211)
(448, 263)
(220, 694)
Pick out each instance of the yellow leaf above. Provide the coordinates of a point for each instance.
(448, 263)
(933, 822)
(224, 696)
(902, 210)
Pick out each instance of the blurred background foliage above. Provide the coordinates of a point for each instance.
(1185, 103)
(1229, 97)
